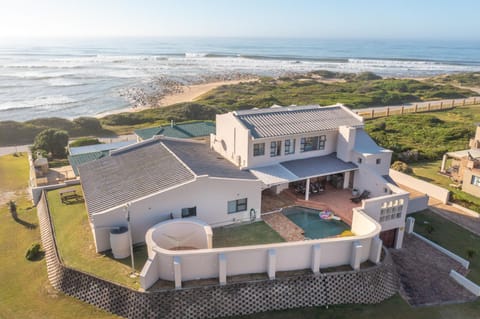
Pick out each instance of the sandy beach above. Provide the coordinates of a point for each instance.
(186, 93)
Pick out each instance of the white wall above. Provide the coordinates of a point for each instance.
(373, 208)
(209, 195)
(203, 263)
(231, 139)
(367, 179)
(258, 161)
(345, 142)
(423, 187)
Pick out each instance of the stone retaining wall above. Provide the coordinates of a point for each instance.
(367, 286)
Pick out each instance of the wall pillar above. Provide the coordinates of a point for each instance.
(409, 225)
(307, 189)
(177, 271)
(222, 269)
(346, 179)
(399, 237)
(272, 263)
(356, 254)
(444, 163)
(376, 249)
(316, 253)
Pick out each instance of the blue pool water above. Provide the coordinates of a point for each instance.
(310, 221)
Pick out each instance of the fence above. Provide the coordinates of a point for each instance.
(366, 286)
(421, 107)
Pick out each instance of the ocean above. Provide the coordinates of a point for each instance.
(86, 77)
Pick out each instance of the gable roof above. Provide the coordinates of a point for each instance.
(280, 121)
(187, 130)
(204, 161)
(149, 167)
(129, 174)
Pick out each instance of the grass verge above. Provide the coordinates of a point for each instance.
(76, 247)
(25, 291)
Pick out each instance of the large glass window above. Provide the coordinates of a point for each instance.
(275, 148)
(235, 206)
(312, 143)
(289, 146)
(475, 180)
(258, 149)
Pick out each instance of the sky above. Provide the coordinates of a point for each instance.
(406, 19)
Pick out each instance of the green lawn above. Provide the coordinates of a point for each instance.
(242, 235)
(25, 291)
(450, 236)
(13, 173)
(76, 246)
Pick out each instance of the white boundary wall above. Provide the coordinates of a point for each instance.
(431, 190)
(180, 266)
(468, 284)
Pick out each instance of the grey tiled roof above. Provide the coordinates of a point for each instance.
(318, 166)
(203, 161)
(290, 120)
(129, 174)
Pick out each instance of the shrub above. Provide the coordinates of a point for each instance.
(84, 141)
(429, 229)
(401, 167)
(52, 141)
(471, 253)
(88, 124)
(33, 252)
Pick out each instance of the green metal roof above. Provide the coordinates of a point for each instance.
(78, 159)
(187, 130)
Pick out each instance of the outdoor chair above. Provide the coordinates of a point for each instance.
(364, 195)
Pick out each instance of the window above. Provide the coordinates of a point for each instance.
(313, 143)
(235, 206)
(189, 211)
(259, 149)
(359, 160)
(275, 148)
(290, 147)
(378, 161)
(475, 180)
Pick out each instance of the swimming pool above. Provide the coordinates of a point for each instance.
(309, 220)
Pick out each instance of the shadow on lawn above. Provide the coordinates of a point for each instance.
(22, 222)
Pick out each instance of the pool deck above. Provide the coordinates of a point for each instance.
(335, 200)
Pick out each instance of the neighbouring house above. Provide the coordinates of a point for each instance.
(464, 169)
(185, 130)
(223, 182)
(83, 154)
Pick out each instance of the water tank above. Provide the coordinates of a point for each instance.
(120, 243)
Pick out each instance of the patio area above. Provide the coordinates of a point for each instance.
(332, 199)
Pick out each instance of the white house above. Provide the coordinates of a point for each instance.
(161, 179)
(252, 150)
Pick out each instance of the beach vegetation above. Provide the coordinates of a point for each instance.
(84, 141)
(52, 141)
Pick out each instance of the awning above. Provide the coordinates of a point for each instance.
(274, 175)
(300, 169)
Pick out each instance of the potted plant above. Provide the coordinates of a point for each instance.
(355, 192)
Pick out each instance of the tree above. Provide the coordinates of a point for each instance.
(52, 141)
